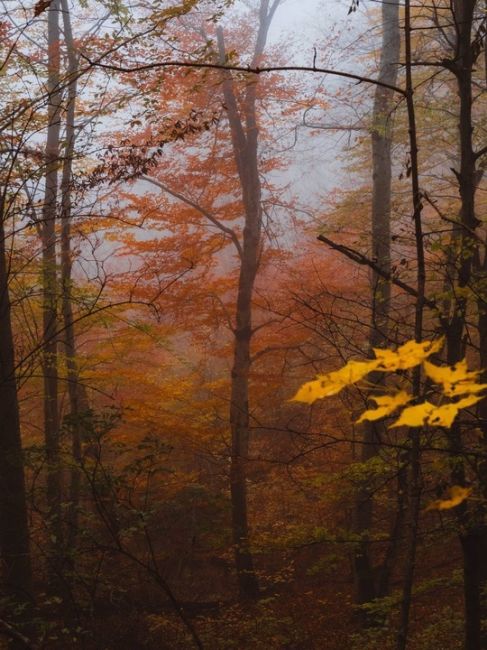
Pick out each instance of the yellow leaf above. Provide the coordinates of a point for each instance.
(414, 416)
(387, 404)
(458, 494)
(398, 399)
(353, 371)
(321, 387)
(445, 415)
(334, 382)
(427, 413)
(409, 355)
(449, 374)
(456, 380)
(463, 388)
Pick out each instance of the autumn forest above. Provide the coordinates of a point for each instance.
(243, 324)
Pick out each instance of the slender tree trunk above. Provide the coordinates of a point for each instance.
(244, 131)
(239, 424)
(50, 293)
(383, 585)
(477, 557)
(414, 456)
(473, 537)
(14, 532)
(77, 398)
(239, 399)
(365, 572)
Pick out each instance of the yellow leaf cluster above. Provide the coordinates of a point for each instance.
(406, 356)
(409, 355)
(458, 494)
(427, 413)
(386, 404)
(455, 380)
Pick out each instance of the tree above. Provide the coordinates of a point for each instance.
(372, 583)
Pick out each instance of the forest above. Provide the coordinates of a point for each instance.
(243, 324)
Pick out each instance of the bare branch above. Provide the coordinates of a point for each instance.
(359, 258)
(242, 68)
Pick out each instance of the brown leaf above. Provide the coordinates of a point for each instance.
(41, 6)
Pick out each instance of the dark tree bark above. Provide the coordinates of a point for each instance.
(475, 545)
(14, 532)
(414, 441)
(245, 131)
(473, 536)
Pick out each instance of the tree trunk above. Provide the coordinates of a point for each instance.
(365, 572)
(77, 397)
(50, 295)
(478, 556)
(414, 439)
(474, 549)
(244, 131)
(473, 537)
(14, 532)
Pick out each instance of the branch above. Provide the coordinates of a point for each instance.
(481, 152)
(272, 348)
(359, 258)
(97, 310)
(242, 68)
(454, 222)
(11, 632)
(228, 231)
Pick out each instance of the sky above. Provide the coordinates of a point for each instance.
(316, 166)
